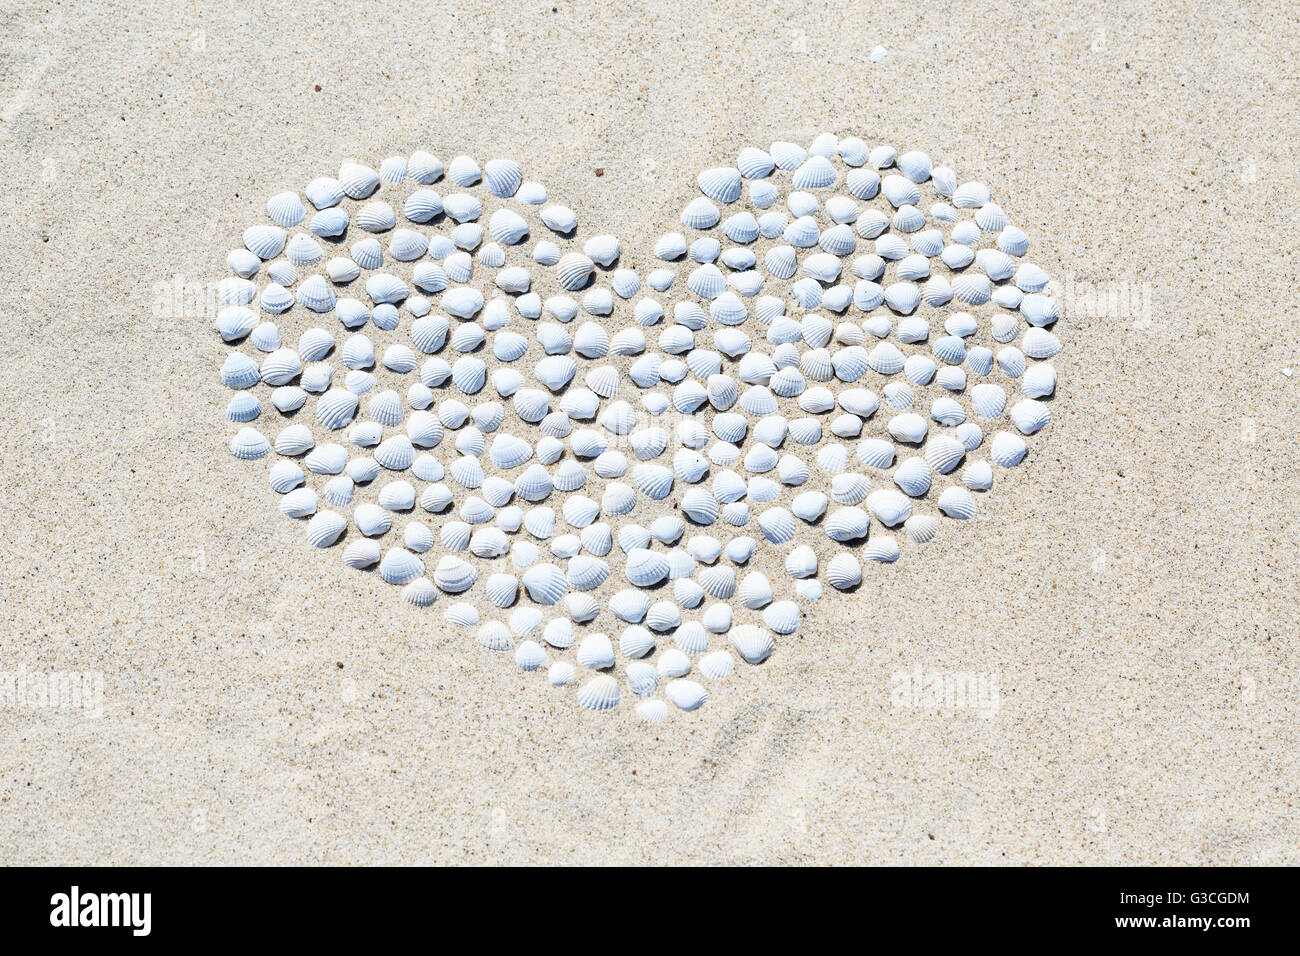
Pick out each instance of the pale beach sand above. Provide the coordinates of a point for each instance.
(1131, 591)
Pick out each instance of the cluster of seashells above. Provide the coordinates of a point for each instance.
(626, 479)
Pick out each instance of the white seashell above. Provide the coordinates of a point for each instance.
(903, 297)
(970, 195)
(978, 476)
(777, 525)
(875, 453)
(908, 427)
(243, 407)
(463, 171)
(587, 572)
(844, 572)
(755, 591)
(603, 250)
(787, 156)
(848, 524)
(816, 173)
(372, 520)
(913, 476)
(921, 528)
(663, 616)
(529, 656)
(298, 503)
(325, 528)
(524, 620)
(631, 606)
(801, 562)
(889, 507)
(618, 499)
(915, 165)
(324, 192)
(751, 643)
(560, 673)
(285, 476)
(979, 359)
(969, 434)
(545, 584)
(646, 568)
(1030, 416)
(596, 652)
(848, 488)
(336, 408)
(1007, 449)
(1012, 361)
(400, 566)
(738, 550)
(720, 184)
(988, 400)
(574, 270)
(418, 537)
(1039, 344)
(687, 695)
(802, 233)
(944, 454)
(326, 460)
(754, 163)
(957, 502)
(1039, 380)
(700, 213)
(487, 542)
(700, 506)
(462, 615)
(900, 191)
(908, 219)
(454, 575)
(501, 176)
(599, 693)
(420, 593)
(883, 549)
(361, 554)
(339, 491)
(782, 617)
(501, 589)
(1031, 278)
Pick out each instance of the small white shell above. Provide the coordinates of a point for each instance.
(559, 632)
(686, 694)
(599, 693)
(454, 575)
(957, 502)
(844, 572)
(921, 528)
(530, 655)
(782, 617)
(717, 665)
(596, 652)
(890, 507)
(753, 644)
(700, 213)
(1030, 416)
(462, 615)
(560, 674)
(361, 554)
(325, 528)
(883, 549)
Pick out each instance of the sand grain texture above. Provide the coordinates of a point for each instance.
(1132, 588)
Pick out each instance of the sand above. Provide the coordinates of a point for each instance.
(1130, 594)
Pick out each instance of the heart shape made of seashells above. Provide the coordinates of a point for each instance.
(626, 478)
